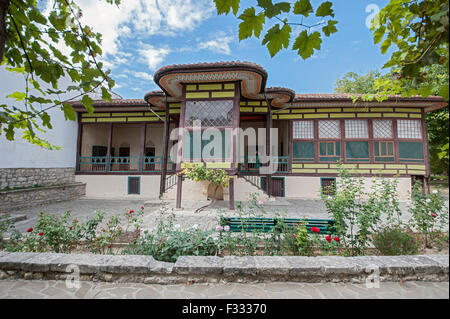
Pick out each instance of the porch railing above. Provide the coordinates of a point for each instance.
(252, 164)
(152, 164)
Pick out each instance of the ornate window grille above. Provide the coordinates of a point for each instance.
(303, 130)
(329, 129)
(409, 129)
(382, 129)
(356, 129)
(216, 113)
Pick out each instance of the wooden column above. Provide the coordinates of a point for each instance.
(109, 147)
(179, 186)
(79, 139)
(231, 193)
(162, 183)
(143, 135)
(268, 146)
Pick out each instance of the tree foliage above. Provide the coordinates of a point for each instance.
(30, 45)
(278, 36)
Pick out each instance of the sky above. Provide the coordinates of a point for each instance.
(141, 36)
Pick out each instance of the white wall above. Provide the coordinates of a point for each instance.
(20, 153)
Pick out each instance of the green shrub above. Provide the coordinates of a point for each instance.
(391, 241)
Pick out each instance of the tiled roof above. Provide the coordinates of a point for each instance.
(115, 102)
(350, 96)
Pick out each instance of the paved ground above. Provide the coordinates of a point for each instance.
(57, 289)
(84, 207)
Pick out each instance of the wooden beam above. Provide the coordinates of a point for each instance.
(143, 135)
(162, 183)
(107, 168)
(231, 193)
(179, 190)
(79, 139)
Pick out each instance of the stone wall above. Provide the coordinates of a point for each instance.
(22, 198)
(27, 177)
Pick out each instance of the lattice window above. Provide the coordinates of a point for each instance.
(356, 129)
(303, 129)
(210, 113)
(329, 129)
(409, 129)
(382, 129)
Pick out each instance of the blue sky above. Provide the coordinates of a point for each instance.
(145, 35)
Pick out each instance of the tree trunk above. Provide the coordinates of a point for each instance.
(4, 4)
(210, 204)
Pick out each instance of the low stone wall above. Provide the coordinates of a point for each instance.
(28, 177)
(128, 268)
(22, 198)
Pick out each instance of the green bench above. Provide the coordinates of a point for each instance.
(264, 225)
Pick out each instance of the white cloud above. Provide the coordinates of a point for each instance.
(151, 55)
(142, 75)
(220, 45)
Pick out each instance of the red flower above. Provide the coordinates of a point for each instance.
(328, 238)
(40, 234)
(295, 236)
(315, 229)
(70, 227)
(142, 207)
(109, 246)
(337, 239)
(434, 215)
(131, 211)
(30, 230)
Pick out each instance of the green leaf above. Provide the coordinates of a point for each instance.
(250, 24)
(305, 44)
(87, 102)
(325, 10)
(19, 96)
(69, 112)
(224, 6)
(105, 94)
(379, 34)
(385, 45)
(277, 38)
(425, 90)
(444, 92)
(303, 7)
(330, 28)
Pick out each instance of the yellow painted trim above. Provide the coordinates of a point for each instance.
(218, 165)
(229, 86)
(189, 165)
(88, 120)
(303, 110)
(260, 109)
(395, 166)
(127, 114)
(290, 116)
(359, 171)
(115, 119)
(384, 171)
(368, 115)
(95, 114)
(402, 109)
(263, 103)
(339, 115)
(199, 95)
(223, 94)
(282, 111)
(395, 115)
(416, 166)
(174, 105)
(152, 114)
(327, 171)
(312, 116)
(355, 109)
(328, 110)
(246, 109)
(415, 116)
(254, 103)
(191, 87)
(275, 117)
(297, 165)
(371, 166)
(344, 165)
(382, 109)
(142, 119)
(416, 172)
(242, 103)
(174, 111)
(315, 165)
(210, 86)
(402, 171)
(302, 170)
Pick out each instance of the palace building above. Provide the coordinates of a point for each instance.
(123, 147)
